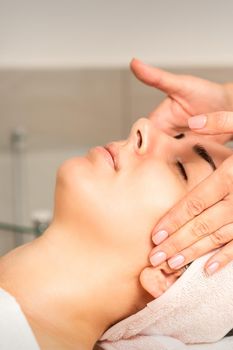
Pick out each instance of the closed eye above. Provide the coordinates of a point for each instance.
(182, 170)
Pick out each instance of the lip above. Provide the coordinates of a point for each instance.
(114, 153)
(107, 155)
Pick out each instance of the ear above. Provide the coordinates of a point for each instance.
(156, 280)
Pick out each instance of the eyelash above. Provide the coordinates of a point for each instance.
(182, 170)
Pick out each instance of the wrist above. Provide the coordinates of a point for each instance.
(228, 91)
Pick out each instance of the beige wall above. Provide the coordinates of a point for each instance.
(109, 32)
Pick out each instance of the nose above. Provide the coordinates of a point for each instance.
(146, 138)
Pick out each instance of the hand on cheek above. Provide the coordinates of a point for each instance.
(156, 280)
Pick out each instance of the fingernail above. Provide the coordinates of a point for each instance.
(158, 258)
(176, 261)
(212, 268)
(159, 237)
(197, 122)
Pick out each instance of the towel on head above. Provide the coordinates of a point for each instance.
(195, 309)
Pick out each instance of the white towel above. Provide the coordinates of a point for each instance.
(196, 309)
(15, 332)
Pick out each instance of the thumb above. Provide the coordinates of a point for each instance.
(158, 78)
(212, 123)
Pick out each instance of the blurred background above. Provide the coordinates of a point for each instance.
(65, 84)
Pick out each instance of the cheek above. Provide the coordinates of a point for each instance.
(157, 188)
(130, 204)
(136, 202)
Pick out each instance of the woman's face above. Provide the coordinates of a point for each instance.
(117, 195)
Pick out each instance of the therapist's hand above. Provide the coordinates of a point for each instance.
(186, 96)
(203, 219)
(200, 222)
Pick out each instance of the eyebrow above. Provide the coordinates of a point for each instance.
(201, 151)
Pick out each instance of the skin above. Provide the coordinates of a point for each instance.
(82, 275)
(202, 221)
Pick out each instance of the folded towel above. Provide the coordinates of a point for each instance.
(195, 309)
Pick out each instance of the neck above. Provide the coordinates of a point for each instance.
(67, 287)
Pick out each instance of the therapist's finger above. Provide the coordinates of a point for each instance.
(158, 78)
(220, 259)
(212, 123)
(211, 190)
(216, 240)
(163, 117)
(201, 226)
